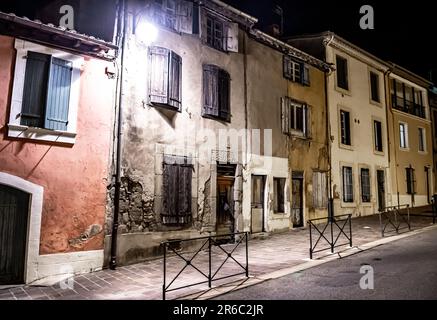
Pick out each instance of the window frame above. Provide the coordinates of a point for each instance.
(410, 180)
(345, 73)
(346, 129)
(378, 146)
(223, 112)
(406, 144)
(344, 193)
(277, 204)
(365, 197)
(422, 140)
(291, 67)
(19, 131)
(377, 87)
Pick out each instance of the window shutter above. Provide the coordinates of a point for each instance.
(170, 194)
(203, 26)
(224, 95)
(184, 194)
(324, 190)
(307, 121)
(196, 19)
(175, 81)
(305, 75)
(316, 189)
(185, 15)
(286, 66)
(35, 89)
(58, 94)
(158, 75)
(285, 114)
(232, 37)
(210, 91)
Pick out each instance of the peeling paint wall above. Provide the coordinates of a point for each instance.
(74, 177)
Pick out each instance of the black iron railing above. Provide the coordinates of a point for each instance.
(330, 233)
(208, 242)
(433, 213)
(392, 219)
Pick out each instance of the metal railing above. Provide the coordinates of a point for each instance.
(433, 214)
(210, 275)
(330, 232)
(392, 217)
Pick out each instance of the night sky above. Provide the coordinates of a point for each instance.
(405, 31)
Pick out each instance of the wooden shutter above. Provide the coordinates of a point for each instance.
(210, 91)
(232, 37)
(285, 114)
(307, 121)
(185, 16)
(324, 189)
(170, 193)
(184, 193)
(203, 25)
(158, 75)
(58, 94)
(287, 70)
(175, 81)
(35, 89)
(316, 189)
(305, 75)
(224, 95)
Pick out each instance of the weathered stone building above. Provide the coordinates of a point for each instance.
(203, 148)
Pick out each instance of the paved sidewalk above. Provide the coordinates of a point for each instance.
(144, 280)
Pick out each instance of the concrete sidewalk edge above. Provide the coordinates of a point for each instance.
(247, 282)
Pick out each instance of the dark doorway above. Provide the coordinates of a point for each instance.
(297, 199)
(380, 181)
(225, 199)
(14, 211)
(257, 211)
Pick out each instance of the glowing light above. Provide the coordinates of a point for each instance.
(146, 32)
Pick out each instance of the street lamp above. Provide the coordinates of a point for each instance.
(146, 32)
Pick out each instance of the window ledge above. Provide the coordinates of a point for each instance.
(404, 149)
(33, 133)
(346, 146)
(348, 204)
(379, 153)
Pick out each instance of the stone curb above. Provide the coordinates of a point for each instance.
(237, 285)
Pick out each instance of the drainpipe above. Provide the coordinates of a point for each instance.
(121, 29)
(328, 136)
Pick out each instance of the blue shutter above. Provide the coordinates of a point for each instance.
(35, 87)
(58, 94)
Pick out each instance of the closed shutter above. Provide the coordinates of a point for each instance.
(210, 91)
(58, 94)
(288, 71)
(35, 89)
(232, 37)
(184, 193)
(224, 95)
(316, 189)
(185, 14)
(175, 81)
(307, 121)
(158, 75)
(305, 75)
(176, 191)
(285, 114)
(324, 189)
(203, 26)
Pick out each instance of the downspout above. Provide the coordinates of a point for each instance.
(387, 108)
(121, 29)
(328, 135)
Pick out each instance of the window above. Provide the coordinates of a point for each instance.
(320, 191)
(422, 140)
(377, 130)
(365, 185)
(216, 93)
(407, 99)
(177, 175)
(296, 118)
(46, 93)
(374, 86)
(409, 172)
(278, 193)
(345, 128)
(215, 33)
(348, 189)
(175, 15)
(296, 71)
(403, 135)
(342, 73)
(165, 78)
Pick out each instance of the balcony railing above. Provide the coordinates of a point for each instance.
(408, 106)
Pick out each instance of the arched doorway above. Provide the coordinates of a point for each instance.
(14, 213)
